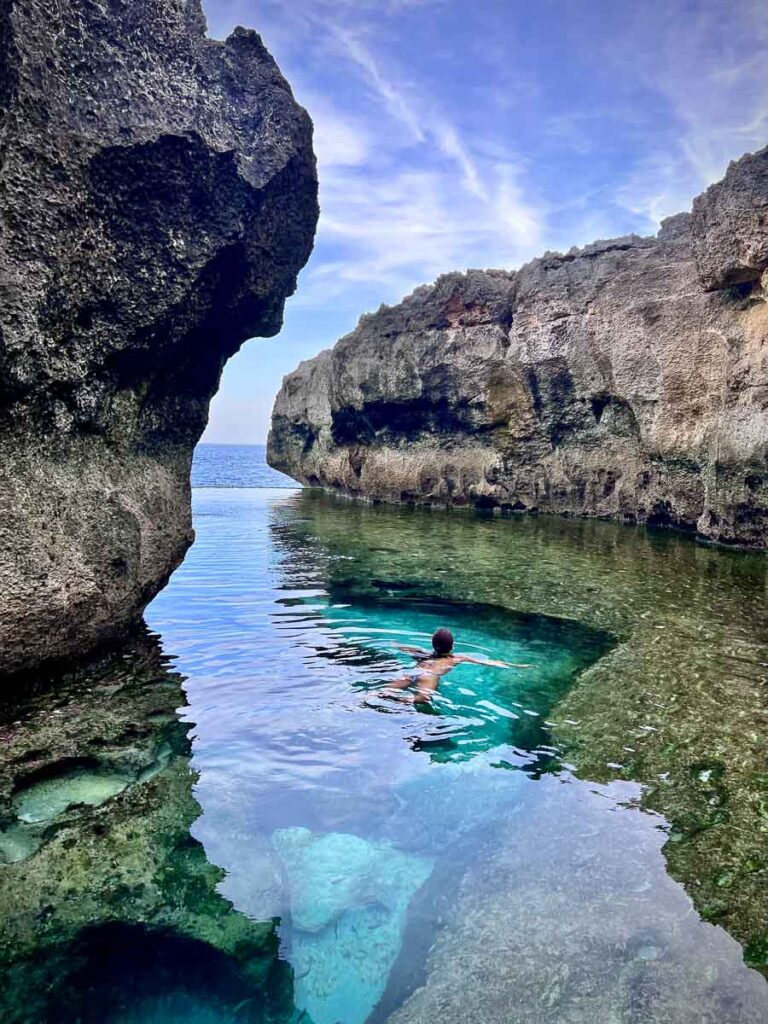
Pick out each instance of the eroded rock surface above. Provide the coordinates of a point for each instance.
(532, 934)
(627, 379)
(157, 199)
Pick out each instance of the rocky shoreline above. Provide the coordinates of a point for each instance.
(626, 380)
(98, 864)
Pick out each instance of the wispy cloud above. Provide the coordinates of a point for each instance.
(427, 199)
(707, 62)
(386, 90)
(340, 139)
(395, 231)
(406, 192)
(452, 135)
(424, 124)
(454, 148)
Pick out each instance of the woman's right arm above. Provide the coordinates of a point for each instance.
(418, 651)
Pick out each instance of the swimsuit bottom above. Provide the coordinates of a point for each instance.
(419, 674)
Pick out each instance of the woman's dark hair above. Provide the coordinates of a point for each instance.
(442, 641)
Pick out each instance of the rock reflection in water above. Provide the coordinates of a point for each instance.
(106, 901)
(285, 741)
(412, 882)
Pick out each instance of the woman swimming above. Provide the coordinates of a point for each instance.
(432, 666)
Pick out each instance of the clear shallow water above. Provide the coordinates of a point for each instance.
(404, 852)
(375, 862)
(329, 806)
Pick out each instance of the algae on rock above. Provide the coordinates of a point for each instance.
(96, 805)
(677, 704)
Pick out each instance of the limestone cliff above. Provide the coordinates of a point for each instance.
(627, 379)
(158, 197)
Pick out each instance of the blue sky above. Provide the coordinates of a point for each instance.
(454, 134)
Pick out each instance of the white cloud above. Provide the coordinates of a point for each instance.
(404, 194)
(397, 229)
(339, 140)
(451, 146)
(391, 94)
(658, 188)
(407, 197)
(524, 222)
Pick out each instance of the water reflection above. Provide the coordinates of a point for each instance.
(466, 865)
(322, 813)
(108, 907)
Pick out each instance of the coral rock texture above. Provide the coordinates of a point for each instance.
(158, 197)
(628, 379)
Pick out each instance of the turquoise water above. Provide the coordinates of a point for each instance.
(366, 828)
(329, 806)
(477, 709)
(354, 860)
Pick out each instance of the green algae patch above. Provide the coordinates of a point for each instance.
(756, 952)
(96, 806)
(53, 795)
(678, 704)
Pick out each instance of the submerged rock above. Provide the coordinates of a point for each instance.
(535, 933)
(46, 798)
(626, 379)
(157, 199)
(349, 898)
(678, 704)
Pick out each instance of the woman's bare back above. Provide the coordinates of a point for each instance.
(430, 669)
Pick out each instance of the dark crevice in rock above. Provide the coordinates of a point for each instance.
(403, 420)
(98, 975)
(599, 403)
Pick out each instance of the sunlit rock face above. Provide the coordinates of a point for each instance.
(157, 199)
(730, 225)
(627, 379)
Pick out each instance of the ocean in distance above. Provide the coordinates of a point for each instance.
(235, 465)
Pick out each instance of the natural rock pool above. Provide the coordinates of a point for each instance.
(580, 840)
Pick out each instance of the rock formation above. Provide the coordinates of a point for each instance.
(157, 200)
(628, 379)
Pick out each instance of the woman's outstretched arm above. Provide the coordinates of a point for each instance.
(489, 661)
(418, 651)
